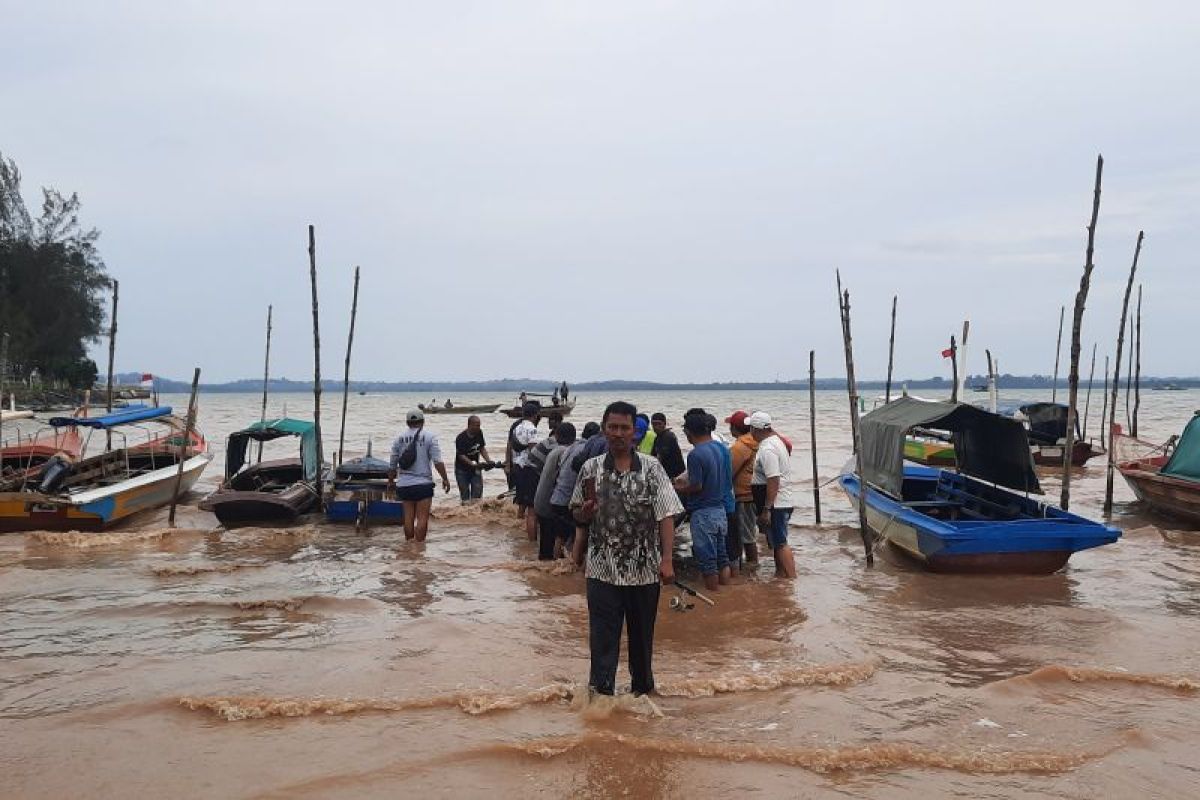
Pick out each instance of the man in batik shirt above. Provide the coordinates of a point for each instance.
(624, 507)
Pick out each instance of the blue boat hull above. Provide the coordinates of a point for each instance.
(952, 523)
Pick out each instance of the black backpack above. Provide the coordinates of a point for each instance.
(409, 456)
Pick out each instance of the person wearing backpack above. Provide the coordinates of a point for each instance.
(415, 454)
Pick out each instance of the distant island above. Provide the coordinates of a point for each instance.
(514, 386)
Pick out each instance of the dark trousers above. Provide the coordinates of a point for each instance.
(733, 541)
(470, 483)
(610, 607)
(548, 532)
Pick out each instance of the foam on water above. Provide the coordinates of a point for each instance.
(1055, 673)
(767, 680)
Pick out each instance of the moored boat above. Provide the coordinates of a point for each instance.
(562, 408)
(268, 491)
(1165, 477)
(98, 491)
(980, 519)
(1047, 426)
(476, 409)
(357, 491)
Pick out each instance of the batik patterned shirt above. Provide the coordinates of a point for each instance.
(623, 542)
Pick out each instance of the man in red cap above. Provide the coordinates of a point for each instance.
(742, 452)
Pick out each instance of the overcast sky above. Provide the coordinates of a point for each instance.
(649, 190)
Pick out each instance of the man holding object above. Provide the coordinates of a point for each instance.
(624, 508)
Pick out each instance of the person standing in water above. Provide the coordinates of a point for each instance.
(414, 483)
(704, 485)
(772, 496)
(469, 447)
(523, 438)
(624, 508)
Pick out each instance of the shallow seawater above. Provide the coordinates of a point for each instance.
(312, 661)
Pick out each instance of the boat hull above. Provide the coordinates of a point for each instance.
(100, 508)
(233, 507)
(565, 410)
(1050, 455)
(1166, 495)
(487, 409)
(1027, 545)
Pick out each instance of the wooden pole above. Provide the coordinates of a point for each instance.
(185, 447)
(346, 377)
(962, 371)
(112, 349)
(1062, 310)
(887, 392)
(993, 395)
(812, 429)
(1116, 383)
(312, 271)
(1129, 377)
(266, 378)
(953, 370)
(1137, 371)
(1087, 403)
(1104, 409)
(852, 389)
(3, 375)
(1076, 332)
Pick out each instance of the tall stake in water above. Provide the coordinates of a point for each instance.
(346, 377)
(1129, 377)
(1087, 402)
(953, 370)
(1137, 372)
(1062, 310)
(852, 389)
(112, 349)
(266, 379)
(189, 426)
(312, 271)
(962, 372)
(1104, 409)
(3, 375)
(1116, 382)
(1076, 332)
(887, 391)
(993, 394)
(812, 426)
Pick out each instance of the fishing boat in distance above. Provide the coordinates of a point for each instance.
(453, 409)
(562, 408)
(1047, 426)
(357, 491)
(268, 491)
(1166, 477)
(98, 491)
(980, 519)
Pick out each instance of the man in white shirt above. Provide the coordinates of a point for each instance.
(414, 483)
(523, 439)
(769, 487)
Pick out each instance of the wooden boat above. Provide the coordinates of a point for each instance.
(1047, 426)
(980, 519)
(357, 491)
(1167, 387)
(24, 453)
(562, 408)
(477, 409)
(1165, 477)
(269, 491)
(12, 415)
(925, 449)
(98, 491)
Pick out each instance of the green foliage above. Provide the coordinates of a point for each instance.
(52, 284)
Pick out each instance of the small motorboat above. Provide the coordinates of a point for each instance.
(357, 491)
(516, 412)
(452, 409)
(97, 491)
(267, 491)
(980, 519)
(1047, 426)
(1166, 477)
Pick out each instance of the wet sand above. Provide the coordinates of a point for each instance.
(315, 662)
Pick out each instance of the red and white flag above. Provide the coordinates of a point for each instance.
(948, 353)
(147, 377)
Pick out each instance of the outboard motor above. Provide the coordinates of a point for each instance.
(54, 473)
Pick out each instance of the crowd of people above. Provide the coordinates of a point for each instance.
(733, 491)
(611, 496)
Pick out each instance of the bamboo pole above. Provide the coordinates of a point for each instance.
(1076, 332)
(266, 378)
(962, 372)
(312, 271)
(1129, 377)
(183, 448)
(1137, 371)
(887, 392)
(346, 377)
(1062, 310)
(112, 349)
(1104, 409)
(993, 395)
(1087, 403)
(812, 428)
(1116, 383)
(852, 389)
(953, 370)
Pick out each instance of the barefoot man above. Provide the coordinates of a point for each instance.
(625, 510)
(415, 454)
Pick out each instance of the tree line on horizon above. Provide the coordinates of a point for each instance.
(52, 282)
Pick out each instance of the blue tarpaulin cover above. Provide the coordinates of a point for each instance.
(125, 416)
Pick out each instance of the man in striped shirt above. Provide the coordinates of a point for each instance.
(624, 507)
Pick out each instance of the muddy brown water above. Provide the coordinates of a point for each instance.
(314, 662)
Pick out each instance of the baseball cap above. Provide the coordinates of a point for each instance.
(737, 418)
(760, 420)
(416, 415)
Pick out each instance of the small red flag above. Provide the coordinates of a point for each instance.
(948, 353)
(146, 376)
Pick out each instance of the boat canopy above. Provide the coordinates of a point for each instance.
(1047, 421)
(126, 416)
(1185, 461)
(988, 446)
(265, 431)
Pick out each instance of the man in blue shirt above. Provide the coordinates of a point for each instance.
(704, 486)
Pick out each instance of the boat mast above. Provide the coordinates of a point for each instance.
(346, 377)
